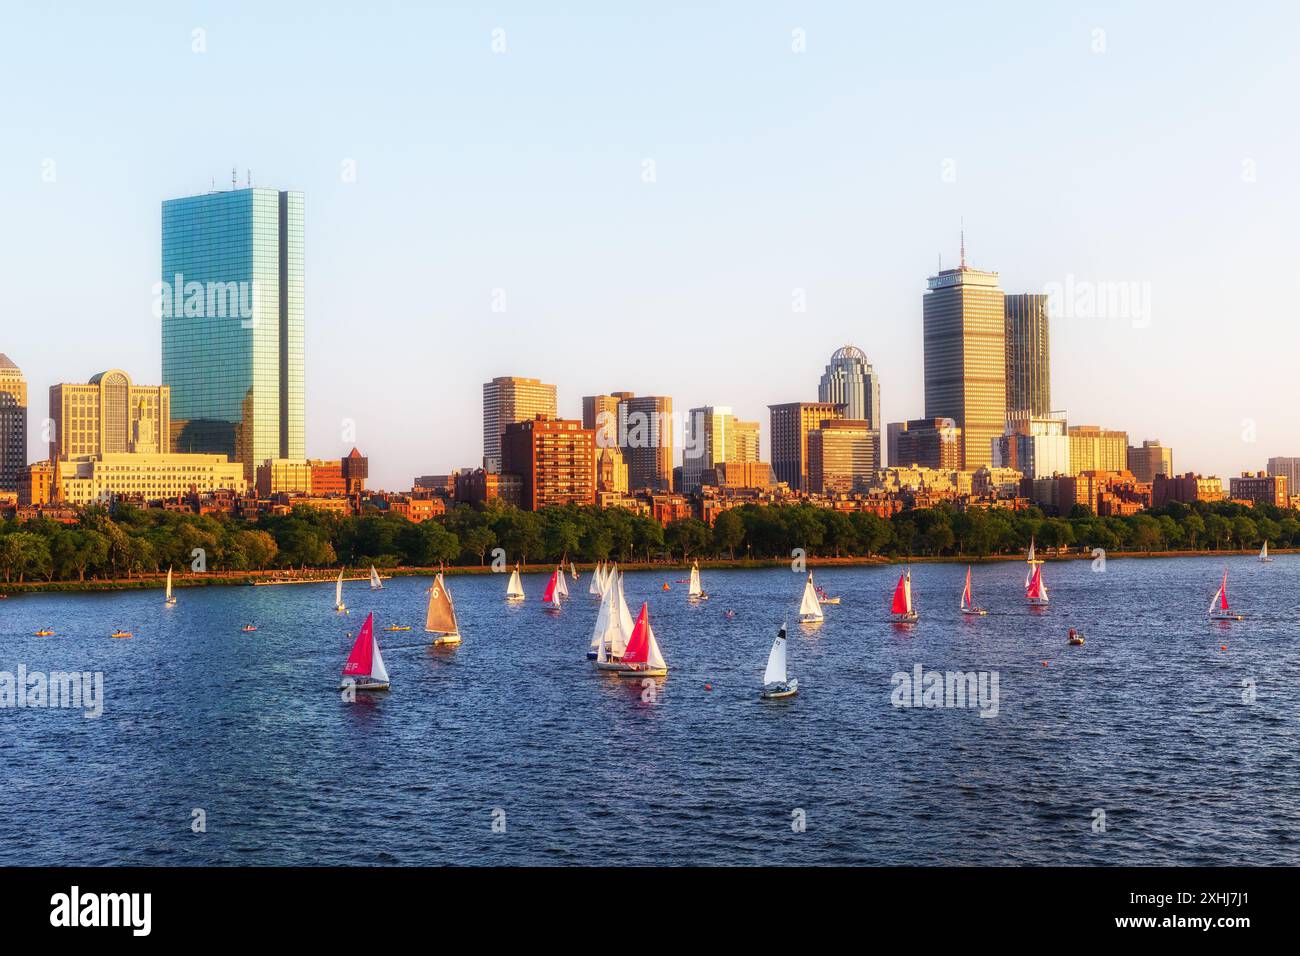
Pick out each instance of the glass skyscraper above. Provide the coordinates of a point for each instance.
(233, 324)
(1029, 366)
(849, 380)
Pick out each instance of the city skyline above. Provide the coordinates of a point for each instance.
(699, 300)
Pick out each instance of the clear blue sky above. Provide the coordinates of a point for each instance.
(776, 171)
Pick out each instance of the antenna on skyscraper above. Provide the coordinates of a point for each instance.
(963, 242)
(234, 181)
(250, 178)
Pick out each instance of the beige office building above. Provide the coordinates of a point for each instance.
(1097, 449)
(789, 426)
(646, 431)
(108, 415)
(1150, 460)
(965, 357)
(506, 400)
(743, 441)
(98, 479)
(843, 456)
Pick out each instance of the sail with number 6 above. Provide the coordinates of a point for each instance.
(441, 615)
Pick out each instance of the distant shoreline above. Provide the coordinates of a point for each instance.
(329, 575)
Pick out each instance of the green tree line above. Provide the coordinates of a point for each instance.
(127, 541)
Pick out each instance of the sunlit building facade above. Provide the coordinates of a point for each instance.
(102, 478)
(1029, 359)
(110, 413)
(788, 428)
(965, 357)
(13, 424)
(849, 380)
(233, 324)
(508, 399)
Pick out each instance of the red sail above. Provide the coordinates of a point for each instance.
(549, 596)
(362, 656)
(965, 594)
(1035, 589)
(1223, 592)
(900, 597)
(638, 647)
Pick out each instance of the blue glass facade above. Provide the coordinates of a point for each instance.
(233, 324)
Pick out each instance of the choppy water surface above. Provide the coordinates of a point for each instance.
(1146, 722)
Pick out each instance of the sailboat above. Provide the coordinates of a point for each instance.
(551, 597)
(1035, 589)
(1263, 553)
(573, 571)
(560, 587)
(596, 586)
(338, 594)
(810, 609)
(825, 598)
(696, 592)
(515, 587)
(1219, 609)
(642, 658)
(375, 584)
(440, 618)
(365, 667)
(901, 610)
(776, 681)
(967, 604)
(613, 628)
(170, 598)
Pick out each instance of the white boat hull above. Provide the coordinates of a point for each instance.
(1036, 602)
(810, 618)
(364, 685)
(780, 691)
(974, 611)
(1225, 616)
(911, 617)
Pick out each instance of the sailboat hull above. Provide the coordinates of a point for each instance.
(974, 611)
(1036, 602)
(637, 670)
(810, 618)
(446, 640)
(1225, 616)
(911, 617)
(366, 685)
(780, 691)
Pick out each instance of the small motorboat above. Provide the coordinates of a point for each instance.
(120, 634)
(45, 633)
(777, 683)
(247, 628)
(825, 598)
(1075, 638)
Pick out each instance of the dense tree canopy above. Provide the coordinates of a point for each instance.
(130, 541)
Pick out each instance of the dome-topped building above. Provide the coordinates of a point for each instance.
(849, 380)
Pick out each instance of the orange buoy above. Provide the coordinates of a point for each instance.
(708, 687)
(1223, 647)
(1044, 663)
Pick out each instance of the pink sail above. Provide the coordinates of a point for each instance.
(549, 596)
(638, 647)
(900, 605)
(1223, 592)
(361, 659)
(1035, 588)
(965, 594)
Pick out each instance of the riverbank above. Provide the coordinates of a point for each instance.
(328, 575)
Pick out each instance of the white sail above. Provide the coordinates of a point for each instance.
(608, 577)
(377, 669)
(810, 608)
(625, 625)
(573, 571)
(1214, 601)
(515, 587)
(602, 624)
(338, 590)
(776, 666)
(1263, 556)
(653, 657)
(561, 589)
(597, 577)
(375, 584)
(695, 589)
(169, 584)
(907, 591)
(1030, 559)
